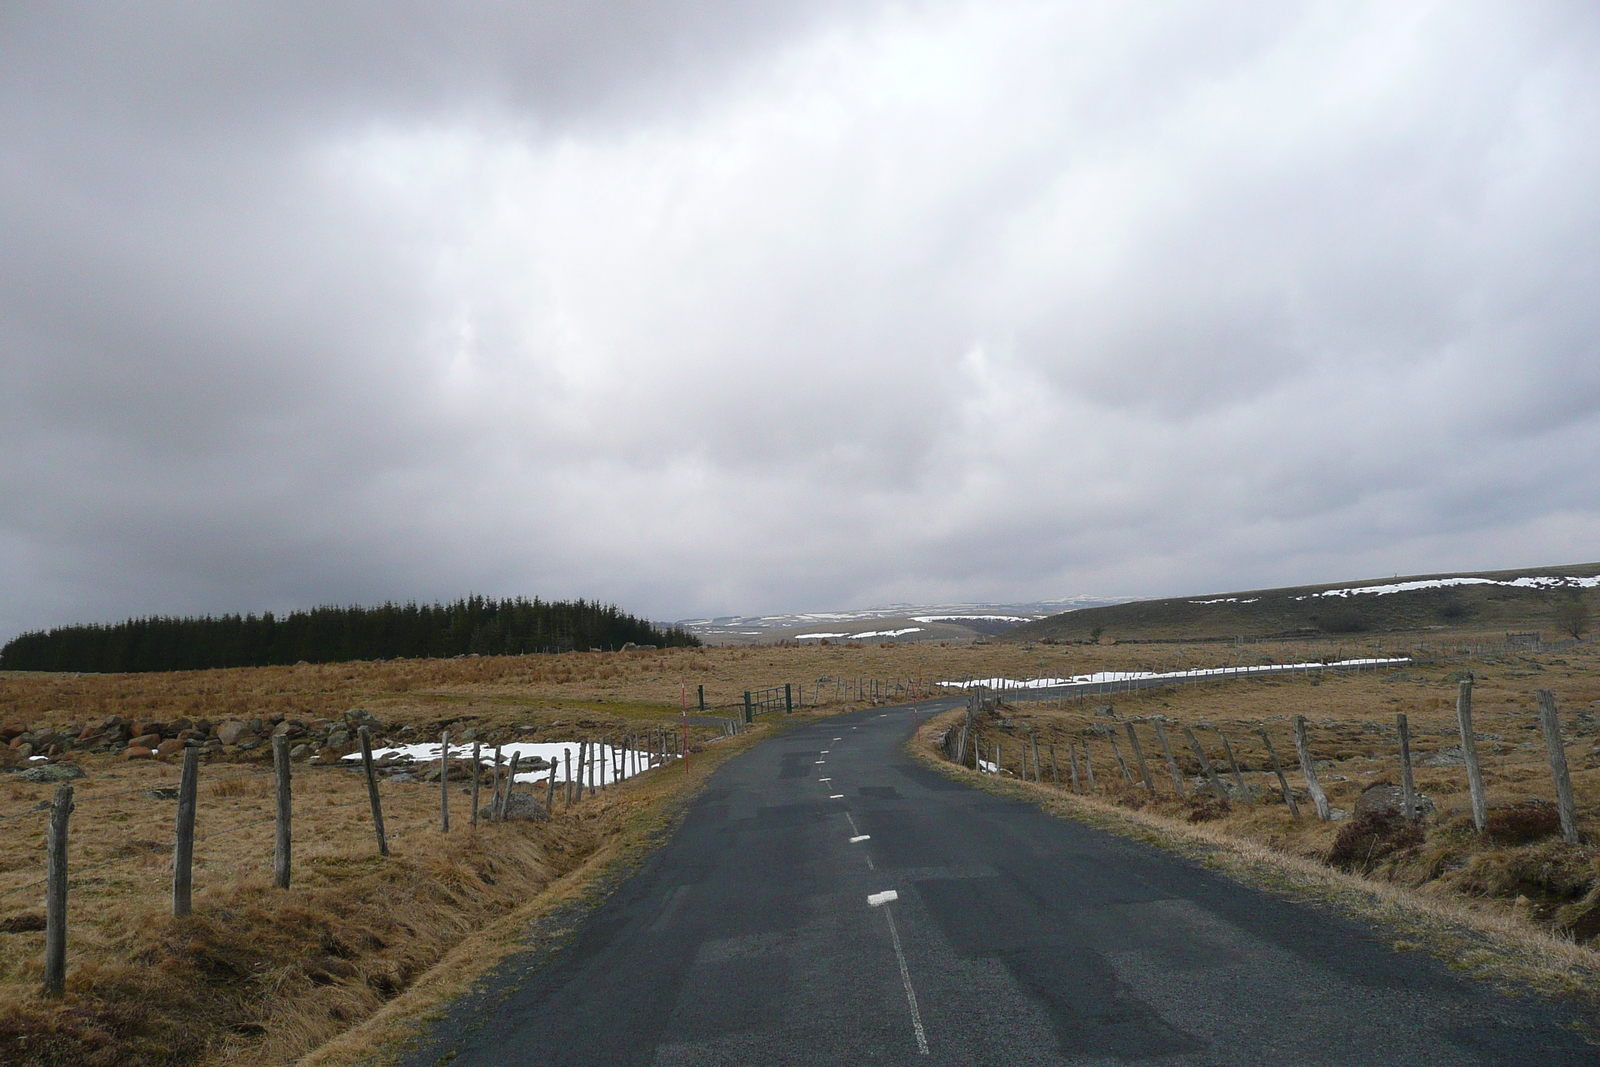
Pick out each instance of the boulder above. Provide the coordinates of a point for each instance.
(138, 752)
(51, 772)
(1446, 757)
(149, 740)
(1384, 798)
(233, 731)
(525, 806)
(11, 730)
(170, 747)
(299, 752)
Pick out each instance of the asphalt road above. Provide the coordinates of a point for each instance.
(1013, 938)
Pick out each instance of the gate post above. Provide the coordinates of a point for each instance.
(748, 716)
(788, 698)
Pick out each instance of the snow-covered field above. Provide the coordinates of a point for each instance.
(863, 634)
(1442, 583)
(633, 761)
(1103, 677)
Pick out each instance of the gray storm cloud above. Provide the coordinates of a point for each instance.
(738, 307)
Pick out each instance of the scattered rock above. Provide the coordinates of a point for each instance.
(1446, 757)
(299, 752)
(170, 747)
(524, 806)
(138, 752)
(232, 732)
(51, 772)
(1385, 799)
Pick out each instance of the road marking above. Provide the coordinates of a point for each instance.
(838, 739)
(879, 899)
(824, 752)
(820, 761)
(853, 827)
(905, 977)
(861, 837)
(837, 796)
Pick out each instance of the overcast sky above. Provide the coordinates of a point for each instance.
(722, 306)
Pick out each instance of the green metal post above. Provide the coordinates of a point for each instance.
(788, 698)
(749, 716)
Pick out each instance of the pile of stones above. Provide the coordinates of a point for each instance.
(152, 738)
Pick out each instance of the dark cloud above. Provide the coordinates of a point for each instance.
(712, 307)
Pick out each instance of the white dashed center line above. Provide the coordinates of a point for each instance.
(837, 796)
(860, 837)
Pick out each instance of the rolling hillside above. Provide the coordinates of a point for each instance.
(1529, 599)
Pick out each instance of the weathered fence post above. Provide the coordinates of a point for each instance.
(1550, 724)
(1055, 773)
(1138, 755)
(1469, 753)
(1117, 752)
(1205, 765)
(1238, 779)
(1088, 769)
(183, 837)
(1303, 748)
(566, 778)
(1408, 785)
(1072, 756)
(511, 783)
(1172, 761)
(55, 894)
(477, 747)
(280, 850)
(550, 790)
(1037, 777)
(365, 737)
(444, 782)
(594, 758)
(1277, 768)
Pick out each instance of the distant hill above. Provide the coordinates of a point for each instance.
(956, 623)
(1523, 599)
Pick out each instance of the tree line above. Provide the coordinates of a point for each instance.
(472, 624)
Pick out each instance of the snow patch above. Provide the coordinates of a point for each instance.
(556, 751)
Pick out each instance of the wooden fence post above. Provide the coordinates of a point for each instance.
(280, 849)
(1303, 748)
(1408, 785)
(1238, 779)
(1172, 761)
(566, 779)
(1469, 753)
(1072, 755)
(365, 735)
(594, 758)
(183, 838)
(1550, 723)
(1277, 768)
(1138, 755)
(504, 810)
(1088, 768)
(477, 747)
(550, 789)
(1055, 773)
(1117, 752)
(788, 698)
(444, 782)
(1205, 765)
(1037, 777)
(55, 894)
